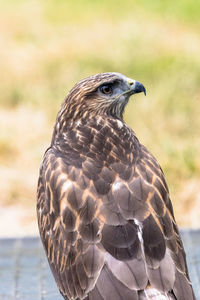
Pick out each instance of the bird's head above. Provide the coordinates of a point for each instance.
(104, 93)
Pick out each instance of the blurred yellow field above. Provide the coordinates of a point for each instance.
(47, 46)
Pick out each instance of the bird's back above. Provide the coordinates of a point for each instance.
(106, 219)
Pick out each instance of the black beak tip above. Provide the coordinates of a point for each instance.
(139, 88)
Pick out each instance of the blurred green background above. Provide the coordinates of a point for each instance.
(47, 46)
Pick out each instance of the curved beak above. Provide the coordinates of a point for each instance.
(136, 87)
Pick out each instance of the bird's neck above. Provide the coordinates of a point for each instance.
(68, 118)
(72, 113)
(96, 134)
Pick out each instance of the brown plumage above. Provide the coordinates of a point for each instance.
(104, 213)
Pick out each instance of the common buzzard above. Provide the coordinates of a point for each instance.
(104, 212)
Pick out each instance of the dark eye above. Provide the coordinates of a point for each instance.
(106, 89)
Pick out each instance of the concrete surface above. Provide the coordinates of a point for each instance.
(25, 274)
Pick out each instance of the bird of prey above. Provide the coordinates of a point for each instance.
(104, 211)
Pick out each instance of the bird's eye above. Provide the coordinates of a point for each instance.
(106, 89)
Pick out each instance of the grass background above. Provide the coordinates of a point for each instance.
(46, 46)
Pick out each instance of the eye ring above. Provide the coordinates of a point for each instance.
(106, 89)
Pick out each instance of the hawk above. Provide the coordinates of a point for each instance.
(104, 211)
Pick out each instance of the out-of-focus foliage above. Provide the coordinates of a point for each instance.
(48, 45)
